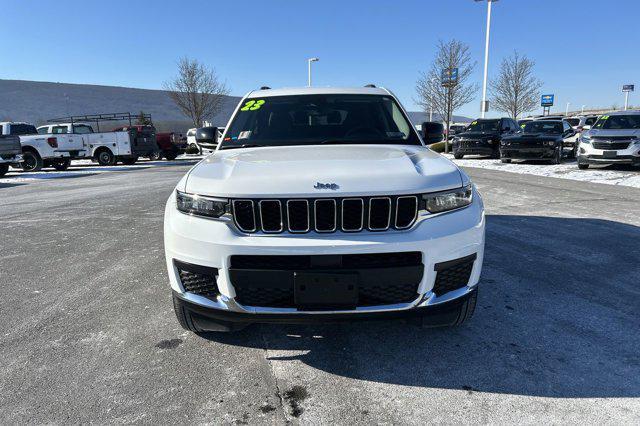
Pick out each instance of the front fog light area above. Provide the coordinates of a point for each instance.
(201, 206)
(449, 200)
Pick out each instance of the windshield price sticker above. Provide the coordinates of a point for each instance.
(253, 105)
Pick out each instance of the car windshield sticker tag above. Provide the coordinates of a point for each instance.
(245, 134)
(252, 105)
(474, 123)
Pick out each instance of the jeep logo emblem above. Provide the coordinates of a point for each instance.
(331, 186)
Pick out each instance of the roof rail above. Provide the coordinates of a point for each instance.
(370, 85)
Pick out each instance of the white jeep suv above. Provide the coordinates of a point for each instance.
(322, 205)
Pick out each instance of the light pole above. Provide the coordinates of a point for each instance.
(484, 106)
(626, 100)
(566, 110)
(582, 110)
(309, 63)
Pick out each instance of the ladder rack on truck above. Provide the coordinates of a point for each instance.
(120, 144)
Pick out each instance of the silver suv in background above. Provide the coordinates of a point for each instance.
(580, 123)
(613, 139)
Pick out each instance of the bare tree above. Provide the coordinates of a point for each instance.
(196, 90)
(515, 90)
(431, 94)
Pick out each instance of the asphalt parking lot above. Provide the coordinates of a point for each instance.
(87, 332)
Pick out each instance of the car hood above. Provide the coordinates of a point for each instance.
(477, 135)
(531, 137)
(294, 171)
(604, 133)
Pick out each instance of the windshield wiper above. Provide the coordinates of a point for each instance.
(246, 145)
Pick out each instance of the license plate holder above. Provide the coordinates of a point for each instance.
(325, 290)
(609, 154)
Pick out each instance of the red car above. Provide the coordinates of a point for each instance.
(171, 145)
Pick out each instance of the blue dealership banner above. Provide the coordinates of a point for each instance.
(546, 100)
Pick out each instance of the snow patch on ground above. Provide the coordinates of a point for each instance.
(625, 176)
(79, 168)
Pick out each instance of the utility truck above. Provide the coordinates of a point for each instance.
(125, 144)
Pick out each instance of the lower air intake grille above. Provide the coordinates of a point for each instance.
(200, 280)
(383, 278)
(453, 274)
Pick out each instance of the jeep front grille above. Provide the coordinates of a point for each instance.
(325, 215)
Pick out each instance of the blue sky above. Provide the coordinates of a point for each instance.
(584, 50)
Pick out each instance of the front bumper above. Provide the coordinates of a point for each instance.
(212, 243)
(533, 153)
(475, 147)
(587, 154)
(208, 318)
(10, 158)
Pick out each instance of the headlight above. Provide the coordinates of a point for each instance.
(200, 205)
(550, 143)
(448, 200)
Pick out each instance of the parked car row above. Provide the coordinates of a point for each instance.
(608, 139)
(60, 141)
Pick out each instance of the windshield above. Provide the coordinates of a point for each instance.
(314, 119)
(484, 126)
(543, 127)
(618, 122)
(572, 121)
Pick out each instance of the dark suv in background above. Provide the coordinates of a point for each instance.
(483, 137)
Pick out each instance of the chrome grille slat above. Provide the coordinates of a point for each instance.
(360, 206)
(271, 216)
(400, 202)
(327, 201)
(382, 201)
(244, 211)
(293, 216)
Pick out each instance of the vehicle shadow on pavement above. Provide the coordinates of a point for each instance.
(557, 316)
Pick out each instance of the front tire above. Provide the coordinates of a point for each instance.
(505, 160)
(61, 165)
(183, 316)
(170, 155)
(106, 158)
(4, 168)
(31, 161)
(189, 323)
(129, 161)
(458, 156)
(583, 166)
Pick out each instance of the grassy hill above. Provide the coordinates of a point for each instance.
(36, 102)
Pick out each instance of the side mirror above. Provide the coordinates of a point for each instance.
(207, 135)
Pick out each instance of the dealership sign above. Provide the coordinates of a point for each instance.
(546, 100)
(628, 88)
(449, 77)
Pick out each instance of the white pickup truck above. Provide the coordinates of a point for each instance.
(43, 150)
(125, 144)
